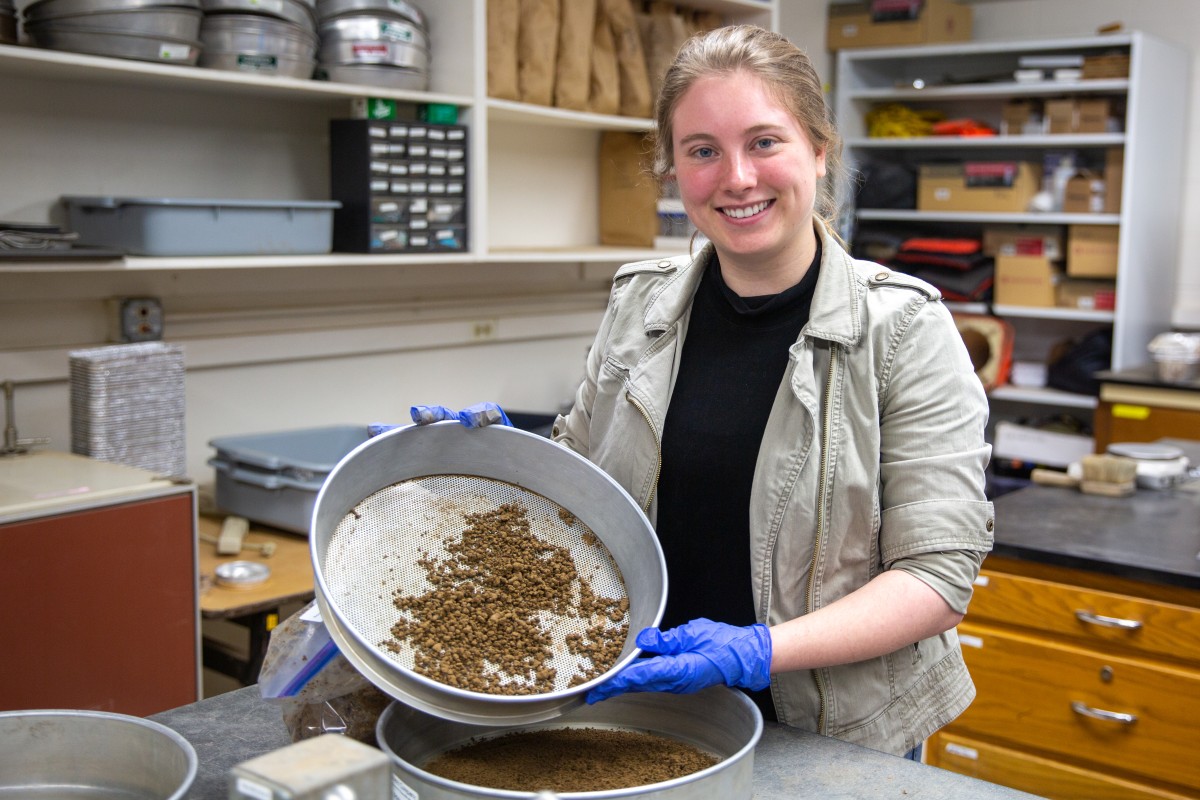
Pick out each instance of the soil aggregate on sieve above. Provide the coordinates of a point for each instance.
(570, 760)
(479, 627)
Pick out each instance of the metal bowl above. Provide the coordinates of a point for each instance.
(92, 754)
(382, 75)
(160, 49)
(174, 23)
(328, 9)
(718, 720)
(49, 9)
(295, 11)
(349, 568)
(260, 44)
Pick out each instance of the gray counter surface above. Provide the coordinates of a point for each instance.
(1152, 536)
(788, 764)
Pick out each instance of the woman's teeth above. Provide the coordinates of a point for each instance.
(742, 213)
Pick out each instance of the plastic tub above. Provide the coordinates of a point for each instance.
(274, 478)
(160, 226)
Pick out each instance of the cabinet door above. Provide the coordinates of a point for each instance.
(1093, 618)
(1031, 773)
(100, 609)
(1067, 700)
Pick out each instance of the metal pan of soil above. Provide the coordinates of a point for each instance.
(383, 75)
(488, 576)
(49, 9)
(173, 23)
(721, 722)
(356, 40)
(92, 754)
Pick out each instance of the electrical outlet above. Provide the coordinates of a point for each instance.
(139, 319)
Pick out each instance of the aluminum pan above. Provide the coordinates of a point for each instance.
(381, 75)
(159, 49)
(174, 23)
(296, 11)
(505, 454)
(722, 721)
(328, 9)
(48, 9)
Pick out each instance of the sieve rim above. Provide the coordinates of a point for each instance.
(422, 446)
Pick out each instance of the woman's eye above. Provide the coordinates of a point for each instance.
(703, 152)
(764, 144)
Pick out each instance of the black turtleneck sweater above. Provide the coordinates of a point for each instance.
(734, 358)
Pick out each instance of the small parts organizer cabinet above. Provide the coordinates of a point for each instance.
(402, 185)
(1088, 685)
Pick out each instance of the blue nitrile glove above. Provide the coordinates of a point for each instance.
(694, 656)
(476, 416)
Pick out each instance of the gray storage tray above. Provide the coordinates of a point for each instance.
(163, 226)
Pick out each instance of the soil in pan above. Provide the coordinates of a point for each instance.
(571, 760)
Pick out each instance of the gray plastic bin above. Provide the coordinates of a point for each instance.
(274, 478)
(164, 226)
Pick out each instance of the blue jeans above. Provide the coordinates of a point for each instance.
(915, 753)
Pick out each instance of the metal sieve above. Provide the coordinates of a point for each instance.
(400, 502)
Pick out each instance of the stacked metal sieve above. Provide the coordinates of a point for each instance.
(373, 42)
(165, 31)
(264, 37)
(127, 405)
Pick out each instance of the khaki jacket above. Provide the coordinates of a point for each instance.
(873, 458)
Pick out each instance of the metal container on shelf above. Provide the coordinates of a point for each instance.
(43, 10)
(374, 42)
(259, 44)
(171, 22)
(299, 12)
(99, 42)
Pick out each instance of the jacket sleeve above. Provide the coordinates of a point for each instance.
(936, 521)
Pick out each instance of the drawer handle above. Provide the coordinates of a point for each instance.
(1108, 622)
(1098, 713)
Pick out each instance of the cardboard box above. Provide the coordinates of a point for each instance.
(1114, 174)
(1017, 116)
(1060, 115)
(1024, 240)
(1087, 294)
(1048, 448)
(1025, 281)
(1113, 65)
(854, 25)
(628, 196)
(1000, 186)
(1091, 115)
(1092, 251)
(1085, 193)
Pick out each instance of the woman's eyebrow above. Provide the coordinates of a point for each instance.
(751, 131)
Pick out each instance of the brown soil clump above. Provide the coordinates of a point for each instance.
(570, 760)
(479, 627)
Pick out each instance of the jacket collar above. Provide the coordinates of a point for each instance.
(837, 300)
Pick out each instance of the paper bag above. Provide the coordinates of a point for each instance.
(628, 194)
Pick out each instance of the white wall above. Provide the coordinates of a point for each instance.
(1001, 20)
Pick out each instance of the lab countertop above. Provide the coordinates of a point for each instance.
(788, 764)
(1151, 536)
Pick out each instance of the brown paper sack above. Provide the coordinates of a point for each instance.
(604, 95)
(573, 79)
(502, 24)
(537, 48)
(631, 58)
(628, 194)
(664, 30)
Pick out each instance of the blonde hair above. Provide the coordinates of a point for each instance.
(788, 74)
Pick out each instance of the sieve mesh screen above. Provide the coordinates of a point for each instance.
(386, 547)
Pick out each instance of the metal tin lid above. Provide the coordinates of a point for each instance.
(242, 574)
(327, 9)
(1145, 451)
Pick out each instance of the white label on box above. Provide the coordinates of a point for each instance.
(967, 640)
(173, 52)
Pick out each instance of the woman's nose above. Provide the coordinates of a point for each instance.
(739, 172)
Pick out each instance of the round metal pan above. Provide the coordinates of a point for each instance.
(381, 75)
(161, 49)
(173, 23)
(357, 546)
(718, 720)
(295, 11)
(49, 9)
(328, 9)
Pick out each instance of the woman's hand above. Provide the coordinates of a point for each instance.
(694, 656)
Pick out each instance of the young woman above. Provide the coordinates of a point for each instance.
(805, 430)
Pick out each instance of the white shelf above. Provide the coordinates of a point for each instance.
(31, 62)
(1018, 218)
(529, 114)
(974, 79)
(1049, 397)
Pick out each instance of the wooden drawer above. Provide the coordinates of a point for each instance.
(1091, 617)
(1046, 695)
(1027, 772)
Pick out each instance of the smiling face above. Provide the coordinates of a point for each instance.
(747, 175)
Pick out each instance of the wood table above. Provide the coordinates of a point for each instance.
(255, 607)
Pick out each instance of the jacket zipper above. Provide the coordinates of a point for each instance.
(826, 435)
(657, 447)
